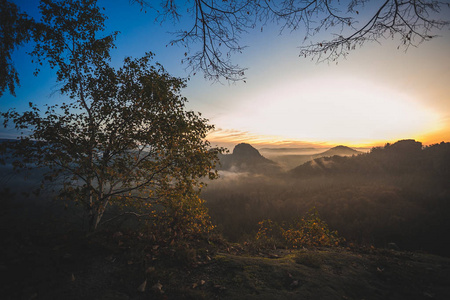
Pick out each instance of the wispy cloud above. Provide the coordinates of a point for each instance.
(230, 137)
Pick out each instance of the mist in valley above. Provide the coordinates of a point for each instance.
(398, 194)
(394, 194)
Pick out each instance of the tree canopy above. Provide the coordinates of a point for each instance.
(216, 27)
(125, 136)
(15, 29)
(211, 30)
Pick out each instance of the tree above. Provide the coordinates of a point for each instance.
(15, 29)
(216, 26)
(125, 136)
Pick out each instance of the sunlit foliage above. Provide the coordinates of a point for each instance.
(179, 217)
(308, 231)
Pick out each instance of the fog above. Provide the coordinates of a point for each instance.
(398, 193)
(393, 194)
(289, 158)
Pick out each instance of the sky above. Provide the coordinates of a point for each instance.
(378, 94)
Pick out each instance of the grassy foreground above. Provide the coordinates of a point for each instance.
(74, 267)
(46, 256)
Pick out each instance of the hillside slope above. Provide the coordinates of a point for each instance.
(290, 160)
(404, 157)
(339, 151)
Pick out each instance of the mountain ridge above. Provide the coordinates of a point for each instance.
(291, 160)
(401, 157)
(340, 150)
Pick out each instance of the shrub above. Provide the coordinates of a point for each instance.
(181, 218)
(308, 231)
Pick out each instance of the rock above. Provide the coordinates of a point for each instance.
(393, 246)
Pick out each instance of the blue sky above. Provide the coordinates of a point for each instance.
(378, 94)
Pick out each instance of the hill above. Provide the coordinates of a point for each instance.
(397, 193)
(245, 158)
(338, 150)
(46, 254)
(405, 157)
(289, 159)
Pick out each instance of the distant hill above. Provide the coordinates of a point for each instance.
(288, 160)
(405, 157)
(289, 151)
(245, 158)
(338, 150)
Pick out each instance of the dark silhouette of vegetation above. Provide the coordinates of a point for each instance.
(216, 28)
(308, 231)
(124, 138)
(15, 29)
(406, 157)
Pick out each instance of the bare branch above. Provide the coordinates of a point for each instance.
(216, 29)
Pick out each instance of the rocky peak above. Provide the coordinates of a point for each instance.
(245, 150)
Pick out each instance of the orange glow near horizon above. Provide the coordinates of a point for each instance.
(221, 138)
(348, 111)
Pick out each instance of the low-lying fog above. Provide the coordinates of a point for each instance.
(399, 193)
(393, 194)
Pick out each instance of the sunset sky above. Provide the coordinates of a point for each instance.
(378, 94)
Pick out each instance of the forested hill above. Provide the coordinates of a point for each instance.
(338, 150)
(397, 193)
(405, 157)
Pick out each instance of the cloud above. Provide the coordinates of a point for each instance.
(230, 137)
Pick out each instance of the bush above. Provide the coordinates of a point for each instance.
(179, 219)
(308, 231)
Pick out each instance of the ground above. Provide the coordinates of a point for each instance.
(45, 256)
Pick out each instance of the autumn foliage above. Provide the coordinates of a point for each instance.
(123, 137)
(307, 231)
(179, 218)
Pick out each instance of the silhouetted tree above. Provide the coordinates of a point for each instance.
(217, 26)
(15, 29)
(125, 136)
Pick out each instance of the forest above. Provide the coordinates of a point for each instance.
(398, 194)
(368, 223)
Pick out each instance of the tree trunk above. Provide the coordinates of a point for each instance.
(96, 214)
(93, 222)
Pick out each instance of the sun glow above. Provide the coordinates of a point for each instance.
(333, 110)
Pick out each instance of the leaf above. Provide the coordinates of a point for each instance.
(157, 287)
(142, 287)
